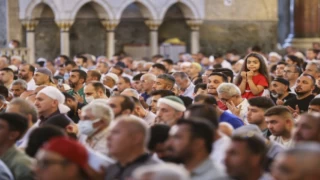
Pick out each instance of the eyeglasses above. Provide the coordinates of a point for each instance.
(43, 164)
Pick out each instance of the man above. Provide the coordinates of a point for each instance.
(126, 143)
(81, 62)
(219, 60)
(118, 70)
(121, 105)
(123, 84)
(307, 128)
(230, 95)
(300, 162)
(157, 69)
(184, 83)
(194, 72)
(29, 111)
(164, 81)
(200, 88)
(304, 88)
(291, 74)
(313, 69)
(131, 93)
(4, 61)
(76, 81)
(256, 110)
(155, 96)
(280, 91)
(147, 81)
(49, 102)
(110, 80)
(314, 105)
(311, 55)
(246, 156)
(93, 75)
(141, 112)
(205, 75)
(13, 126)
(102, 67)
(94, 90)
(95, 119)
(64, 159)
(280, 69)
(214, 80)
(280, 122)
(43, 76)
(26, 72)
(6, 77)
(74, 106)
(18, 87)
(136, 83)
(168, 64)
(169, 110)
(190, 143)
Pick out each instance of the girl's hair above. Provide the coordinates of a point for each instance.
(262, 70)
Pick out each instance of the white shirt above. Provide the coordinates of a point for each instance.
(31, 85)
(189, 91)
(219, 149)
(23, 142)
(149, 118)
(226, 64)
(286, 144)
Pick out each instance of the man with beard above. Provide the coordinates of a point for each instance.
(76, 81)
(214, 80)
(18, 87)
(304, 88)
(121, 105)
(190, 143)
(280, 91)
(307, 128)
(43, 76)
(155, 96)
(169, 110)
(26, 72)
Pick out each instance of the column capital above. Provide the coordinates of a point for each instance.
(194, 24)
(64, 25)
(110, 25)
(30, 24)
(153, 24)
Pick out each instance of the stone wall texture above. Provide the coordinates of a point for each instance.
(3, 22)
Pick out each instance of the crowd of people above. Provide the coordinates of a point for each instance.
(245, 117)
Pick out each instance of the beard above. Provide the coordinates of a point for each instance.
(72, 85)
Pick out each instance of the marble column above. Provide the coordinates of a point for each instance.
(30, 26)
(153, 40)
(195, 37)
(110, 26)
(64, 36)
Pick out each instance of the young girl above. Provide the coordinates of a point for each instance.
(254, 76)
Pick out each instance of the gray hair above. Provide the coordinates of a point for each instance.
(162, 171)
(25, 108)
(20, 82)
(181, 75)
(149, 76)
(137, 124)
(315, 64)
(228, 88)
(130, 92)
(99, 110)
(168, 78)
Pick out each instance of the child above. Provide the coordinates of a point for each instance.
(254, 76)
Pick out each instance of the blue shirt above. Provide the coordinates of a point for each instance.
(231, 119)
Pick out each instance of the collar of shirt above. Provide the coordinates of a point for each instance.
(139, 159)
(205, 166)
(97, 137)
(43, 119)
(10, 152)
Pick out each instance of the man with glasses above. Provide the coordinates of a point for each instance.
(291, 73)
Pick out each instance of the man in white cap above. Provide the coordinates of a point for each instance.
(169, 110)
(49, 102)
(110, 80)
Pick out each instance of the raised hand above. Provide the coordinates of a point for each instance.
(233, 108)
(250, 74)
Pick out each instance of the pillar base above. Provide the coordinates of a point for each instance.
(304, 43)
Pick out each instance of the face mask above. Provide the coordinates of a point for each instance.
(89, 99)
(86, 127)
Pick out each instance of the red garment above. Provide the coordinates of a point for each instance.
(221, 105)
(258, 79)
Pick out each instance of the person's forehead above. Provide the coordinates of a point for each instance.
(44, 154)
(276, 83)
(117, 99)
(88, 87)
(305, 78)
(43, 96)
(255, 108)
(215, 77)
(252, 59)
(158, 96)
(164, 106)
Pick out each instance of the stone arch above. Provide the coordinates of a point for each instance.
(102, 9)
(34, 9)
(188, 8)
(145, 7)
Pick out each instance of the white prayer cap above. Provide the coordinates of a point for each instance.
(113, 76)
(275, 54)
(55, 94)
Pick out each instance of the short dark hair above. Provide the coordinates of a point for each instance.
(162, 93)
(95, 73)
(254, 144)
(200, 129)
(225, 71)
(82, 73)
(69, 96)
(159, 66)
(223, 76)
(137, 77)
(72, 63)
(207, 98)
(256, 48)
(8, 70)
(296, 69)
(315, 101)
(31, 67)
(169, 61)
(126, 79)
(98, 85)
(312, 78)
(65, 57)
(127, 103)
(170, 79)
(118, 68)
(200, 86)
(4, 91)
(281, 62)
(278, 111)
(159, 133)
(41, 135)
(84, 58)
(261, 102)
(205, 111)
(16, 122)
